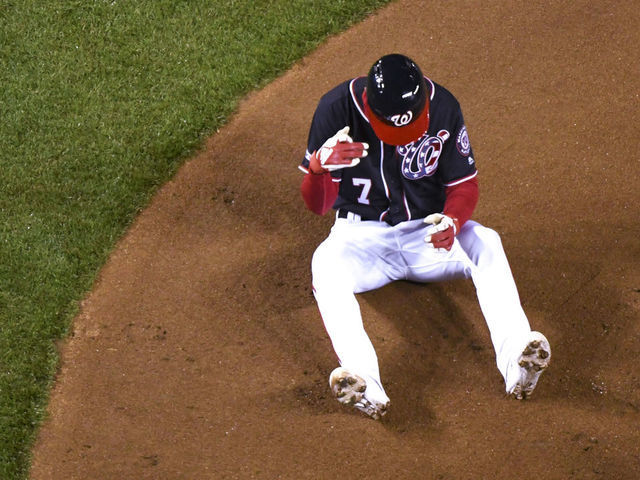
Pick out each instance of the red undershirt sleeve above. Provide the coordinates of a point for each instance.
(319, 192)
(461, 200)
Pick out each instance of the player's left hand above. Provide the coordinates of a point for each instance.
(442, 231)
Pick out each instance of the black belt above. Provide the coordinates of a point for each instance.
(343, 213)
(353, 217)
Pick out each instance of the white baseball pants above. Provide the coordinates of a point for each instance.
(359, 256)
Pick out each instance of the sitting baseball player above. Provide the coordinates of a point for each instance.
(390, 153)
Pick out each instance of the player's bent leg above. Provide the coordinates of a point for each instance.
(500, 304)
(334, 286)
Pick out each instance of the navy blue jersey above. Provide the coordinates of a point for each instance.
(394, 184)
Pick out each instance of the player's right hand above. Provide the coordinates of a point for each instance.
(339, 151)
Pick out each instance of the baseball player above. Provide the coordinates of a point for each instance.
(390, 153)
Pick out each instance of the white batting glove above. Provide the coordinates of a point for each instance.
(340, 151)
(442, 231)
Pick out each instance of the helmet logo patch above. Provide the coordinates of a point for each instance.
(402, 120)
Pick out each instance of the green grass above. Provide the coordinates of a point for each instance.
(100, 103)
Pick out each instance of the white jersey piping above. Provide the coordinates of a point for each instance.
(461, 180)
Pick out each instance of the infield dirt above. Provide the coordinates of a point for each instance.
(200, 353)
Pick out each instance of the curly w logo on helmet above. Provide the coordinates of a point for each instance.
(402, 120)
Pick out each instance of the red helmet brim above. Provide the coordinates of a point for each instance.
(397, 135)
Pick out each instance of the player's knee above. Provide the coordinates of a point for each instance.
(320, 258)
(328, 272)
(474, 233)
(490, 238)
(482, 244)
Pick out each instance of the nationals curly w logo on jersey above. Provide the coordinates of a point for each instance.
(420, 158)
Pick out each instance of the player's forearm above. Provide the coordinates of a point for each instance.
(319, 192)
(461, 200)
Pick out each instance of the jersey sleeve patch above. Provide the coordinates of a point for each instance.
(462, 142)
